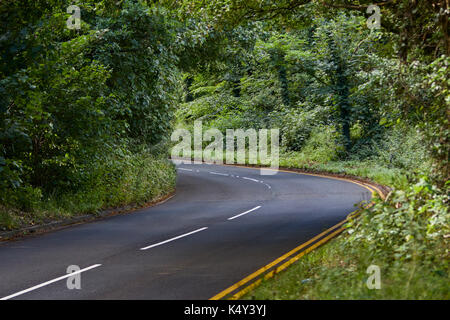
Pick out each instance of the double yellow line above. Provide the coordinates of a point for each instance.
(244, 287)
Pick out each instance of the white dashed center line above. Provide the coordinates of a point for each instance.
(175, 238)
(50, 282)
(218, 173)
(241, 214)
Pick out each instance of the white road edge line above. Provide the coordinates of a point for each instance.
(49, 282)
(250, 179)
(185, 169)
(241, 214)
(175, 238)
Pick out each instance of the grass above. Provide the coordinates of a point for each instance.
(371, 170)
(135, 180)
(334, 272)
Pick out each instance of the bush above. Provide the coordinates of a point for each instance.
(119, 180)
(115, 181)
(323, 146)
(409, 225)
(404, 148)
(296, 125)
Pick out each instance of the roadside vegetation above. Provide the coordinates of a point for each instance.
(86, 117)
(84, 114)
(347, 100)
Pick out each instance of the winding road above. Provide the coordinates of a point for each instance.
(223, 225)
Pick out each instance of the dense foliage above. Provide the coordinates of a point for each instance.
(78, 107)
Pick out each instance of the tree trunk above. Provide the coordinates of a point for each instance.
(282, 76)
(187, 87)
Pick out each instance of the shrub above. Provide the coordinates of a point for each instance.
(323, 146)
(404, 148)
(410, 225)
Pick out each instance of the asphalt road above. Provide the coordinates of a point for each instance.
(223, 224)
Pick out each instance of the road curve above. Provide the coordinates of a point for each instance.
(223, 224)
